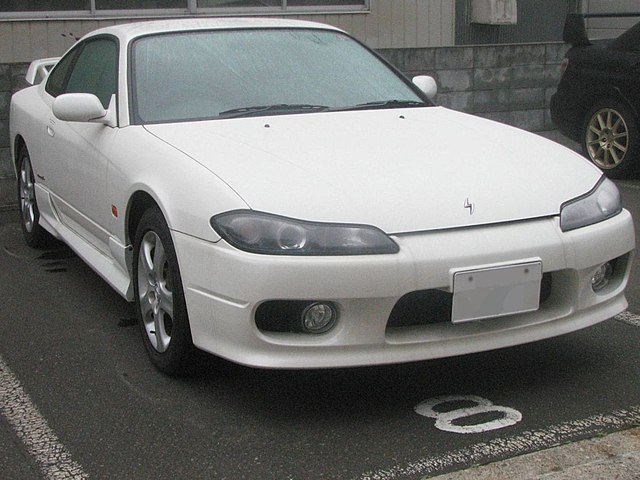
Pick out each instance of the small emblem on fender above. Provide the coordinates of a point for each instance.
(470, 206)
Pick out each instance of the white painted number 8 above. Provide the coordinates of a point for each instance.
(444, 420)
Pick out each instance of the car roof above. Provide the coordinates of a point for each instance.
(129, 31)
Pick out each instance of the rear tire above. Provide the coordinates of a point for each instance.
(159, 297)
(34, 235)
(611, 139)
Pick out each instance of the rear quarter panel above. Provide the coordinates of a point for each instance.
(595, 73)
(27, 116)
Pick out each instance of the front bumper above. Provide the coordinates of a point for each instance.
(224, 287)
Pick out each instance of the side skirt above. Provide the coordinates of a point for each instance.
(112, 268)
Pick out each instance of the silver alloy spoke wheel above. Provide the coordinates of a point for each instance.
(155, 291)
(607, 138)
(27, 196)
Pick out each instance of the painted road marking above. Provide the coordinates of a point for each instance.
(42, 444)
(445, 420)
(501, 448)
(628, 318)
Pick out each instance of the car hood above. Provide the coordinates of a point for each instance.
(401, 170)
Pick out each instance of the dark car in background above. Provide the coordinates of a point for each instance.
(598, 98)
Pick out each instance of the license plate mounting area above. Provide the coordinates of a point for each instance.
(496, 291)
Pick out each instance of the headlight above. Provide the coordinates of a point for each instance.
(599, 204)
(274, 235)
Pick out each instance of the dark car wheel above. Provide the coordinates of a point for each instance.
(34, 234)
(611, 139)
(159, 297)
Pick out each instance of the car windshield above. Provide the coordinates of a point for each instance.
(235, 73)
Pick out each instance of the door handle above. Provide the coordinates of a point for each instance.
(50, 131)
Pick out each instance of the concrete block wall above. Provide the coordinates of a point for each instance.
(11, 80)
(511, 84)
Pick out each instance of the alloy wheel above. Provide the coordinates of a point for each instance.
(27, 195)
(607, 138)
(155, 291)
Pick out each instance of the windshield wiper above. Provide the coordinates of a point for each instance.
(387, 104)
(273, 109)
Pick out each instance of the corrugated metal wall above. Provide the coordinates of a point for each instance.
(389, 24)
(610, 28)
(399, 23)
(538, 21)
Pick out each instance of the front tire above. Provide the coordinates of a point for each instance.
(159, 297)
(611, 139)
(34, 235)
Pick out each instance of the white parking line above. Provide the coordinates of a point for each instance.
(42, 444)
(501, 448)
(628, 318)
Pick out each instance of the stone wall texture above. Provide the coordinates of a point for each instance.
(11, 80)
(511, 84)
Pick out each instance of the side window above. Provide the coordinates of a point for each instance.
(58, 77)
(95, 70)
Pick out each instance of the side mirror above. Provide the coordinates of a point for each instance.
(427, 84)
(78, 107)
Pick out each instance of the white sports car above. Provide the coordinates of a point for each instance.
(275, 193)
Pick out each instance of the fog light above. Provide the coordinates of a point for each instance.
(601, 277)
(319, 318)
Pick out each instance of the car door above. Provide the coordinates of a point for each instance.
(78, 151)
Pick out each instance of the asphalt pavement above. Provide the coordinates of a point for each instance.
(608, 457)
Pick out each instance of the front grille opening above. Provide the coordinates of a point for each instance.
(280, 315)
(422, 307)
(427, 307)
(546, 286)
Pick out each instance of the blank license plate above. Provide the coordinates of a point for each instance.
(495, 292)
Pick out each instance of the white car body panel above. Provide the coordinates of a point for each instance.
(453, 191)
(366, 291)
(186, 192)
(91, 143)
(109, 261)
(386, 168)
